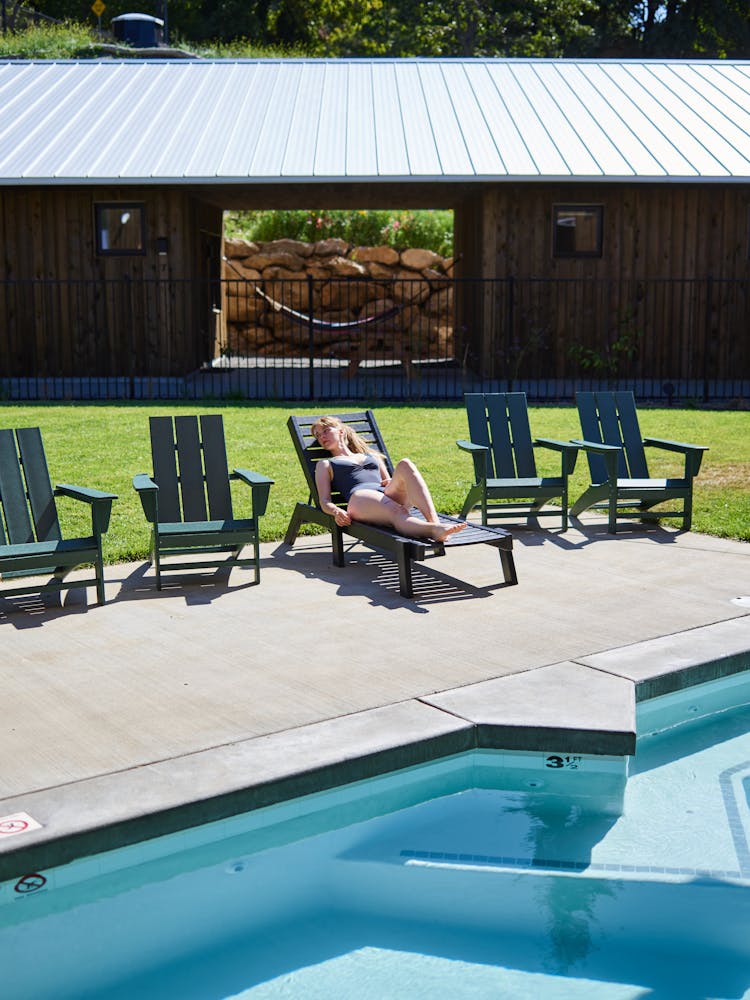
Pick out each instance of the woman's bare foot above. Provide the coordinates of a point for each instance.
(446, 530)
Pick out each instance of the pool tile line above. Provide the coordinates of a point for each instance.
(740, 834)
(551, 864)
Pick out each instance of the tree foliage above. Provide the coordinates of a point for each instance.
(382, 28)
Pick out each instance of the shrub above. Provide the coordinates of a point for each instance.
(427, 230)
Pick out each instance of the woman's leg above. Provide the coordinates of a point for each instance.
(407, 489)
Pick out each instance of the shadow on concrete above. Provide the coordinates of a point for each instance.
(381, 584)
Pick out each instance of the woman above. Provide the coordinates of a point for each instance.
(360, 476)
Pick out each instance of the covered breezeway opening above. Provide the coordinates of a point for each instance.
(331, 330)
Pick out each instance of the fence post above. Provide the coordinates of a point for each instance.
(310, 340)
(707, 333)
(510, 319)
(128, 285)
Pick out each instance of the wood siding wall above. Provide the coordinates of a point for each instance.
(674, 270)
(672, 281)
(64, 310)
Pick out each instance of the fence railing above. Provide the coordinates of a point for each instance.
(424, 338)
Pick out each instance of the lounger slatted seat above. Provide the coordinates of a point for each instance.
(31, 542)
(403, 549)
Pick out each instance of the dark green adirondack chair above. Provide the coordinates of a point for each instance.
(620, 480)
(506, 480)
(31, 542)
(188, 501)
(405, 550)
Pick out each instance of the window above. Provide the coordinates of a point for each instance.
(577, 231)
(120, 229)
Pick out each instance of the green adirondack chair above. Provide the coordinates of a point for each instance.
(31, 542)
(188, 500)
(404, 550)
(506, 480)
(620, 480)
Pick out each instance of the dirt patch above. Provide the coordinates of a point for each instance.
(731, 476)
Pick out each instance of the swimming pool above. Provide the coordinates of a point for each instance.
(488, 874)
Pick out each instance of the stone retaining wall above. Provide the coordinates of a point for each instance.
(410, 291)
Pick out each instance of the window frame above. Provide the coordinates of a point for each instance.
(597, 210)
(99, 228)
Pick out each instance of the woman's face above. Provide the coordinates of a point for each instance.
(328, 436)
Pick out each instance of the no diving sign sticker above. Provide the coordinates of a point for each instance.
(17, 823)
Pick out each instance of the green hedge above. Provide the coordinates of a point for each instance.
(426, 229)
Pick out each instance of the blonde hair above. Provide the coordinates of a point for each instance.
(353, 440)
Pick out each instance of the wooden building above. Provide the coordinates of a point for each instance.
(598, 201)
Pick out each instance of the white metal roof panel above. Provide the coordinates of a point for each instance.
(245, 121)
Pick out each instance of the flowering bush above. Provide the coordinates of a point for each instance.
(427, 230)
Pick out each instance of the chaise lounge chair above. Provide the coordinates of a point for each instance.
(405, 550)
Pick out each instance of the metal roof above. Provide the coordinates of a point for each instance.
(272, 121)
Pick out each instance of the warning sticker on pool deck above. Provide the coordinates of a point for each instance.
(17, 823)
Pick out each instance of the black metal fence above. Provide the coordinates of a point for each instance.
(407, 338)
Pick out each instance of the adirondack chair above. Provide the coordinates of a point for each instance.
(31, 542)
(506, 480)
(405, 550)
(188, 501)
(620, 480)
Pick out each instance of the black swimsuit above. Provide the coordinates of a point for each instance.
(350, 476)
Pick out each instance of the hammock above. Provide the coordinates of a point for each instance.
(349, 326)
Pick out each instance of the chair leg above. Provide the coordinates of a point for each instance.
(612, 508)
(687, 512)
(155, 559)
(100, 596)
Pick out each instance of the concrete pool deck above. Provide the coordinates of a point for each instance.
(163, 710)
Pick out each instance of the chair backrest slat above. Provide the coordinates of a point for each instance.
(611, 418)
(500, 422)
(310, 453)
(635, 454)
(190, 461)
(523, 447)
(13, 494)
(38, 484)
(217, 469)
(164, 457)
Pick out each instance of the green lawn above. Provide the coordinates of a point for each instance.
(104, 445)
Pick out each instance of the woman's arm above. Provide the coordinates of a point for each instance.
(384, 474)
(323, 477)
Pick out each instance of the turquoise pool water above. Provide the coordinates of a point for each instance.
(490, 874)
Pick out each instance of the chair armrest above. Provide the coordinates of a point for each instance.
(148, 492)
(480, 453)
(99, 501)
(597, 447)
(568, 452)
(609, 452)
(693, 453)
(260, 486)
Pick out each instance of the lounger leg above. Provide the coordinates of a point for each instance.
(405, 582)
(295, 524)
(337, 540)
(508, 564)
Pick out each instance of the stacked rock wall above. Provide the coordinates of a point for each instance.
(383, 303)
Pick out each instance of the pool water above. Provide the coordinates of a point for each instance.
(488, 874)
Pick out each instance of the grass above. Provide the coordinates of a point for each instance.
(105, 445)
